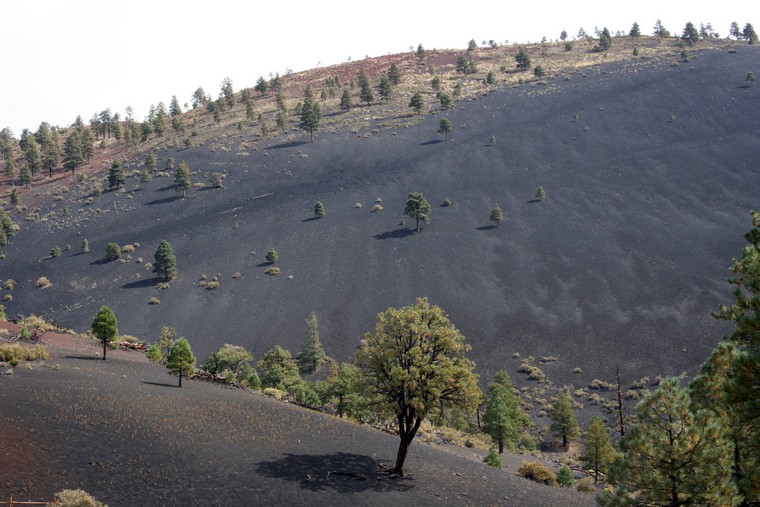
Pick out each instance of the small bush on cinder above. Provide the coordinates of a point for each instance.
(447, 202)
(75, 498)
(492, 458)
(42, 282)
(565, 477)
(586, 485)
(154, 301)
(113, 252)
(273, 271)
(55, 251)
(537, 472)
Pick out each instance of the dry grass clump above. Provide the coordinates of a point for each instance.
(533, 371)
(154, 301)
(9, 284)
(274, 393)
(42, 282)
(213, 284)
(274, 270)
(14, 353)
(601, 384)
(39, 323)
(75, 498)
(537, 472)
(548, 359)
(586, 485)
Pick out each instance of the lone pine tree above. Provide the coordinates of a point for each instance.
(417, 207)
(105, 327)
(414, 364)
(165, 262)
(181, 360)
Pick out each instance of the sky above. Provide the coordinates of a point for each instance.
(67, 58)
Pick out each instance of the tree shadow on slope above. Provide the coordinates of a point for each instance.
(486, 227)
(140, 284)
(290, 144)
(165, 200)
(340, 472)
(397, 234)
(434, 141)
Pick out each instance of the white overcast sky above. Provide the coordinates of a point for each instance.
(63, 58)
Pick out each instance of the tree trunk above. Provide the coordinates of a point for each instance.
(418, 225)
(104, 350)
(564, 438)
(180, 378)
(501, 446)
(403, 448)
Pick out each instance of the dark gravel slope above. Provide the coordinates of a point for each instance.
(648, 194)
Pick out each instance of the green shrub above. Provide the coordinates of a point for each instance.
(539, 71)
(537, 472)
(492, 458)
(565, 477)
(55, 251)
(154, 301)
(447, 202)
(526, 442)
(272, 256)
(153, 354)
(113, 252)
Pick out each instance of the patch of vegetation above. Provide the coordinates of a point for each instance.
(274, 270)
(42, 282)
(537, 472)
(14, 353)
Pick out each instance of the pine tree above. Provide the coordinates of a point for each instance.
(261, 85)
(540, 194)
(278, 369)
(598, 452)
(116, 176)
(199, 98)
(660, 31)
(414, 365)
(418, 207)
(310, 116)
(227, 92)
(503, 419)
(394, 74)
(635, 32)
(24, 175)
(565, 477)
(182, 181)
(181, 360)
(523, 60)
(444, 127)
(714, 390)
(105, 327)
(8, 229)
(744, 384)
(385, 89)
(165, 262)
(73, 155)
(605, 40)
(749, 34)
(672, 456)
(417, 102)
(345, 101)
(690, 34)
(272, 256)
(174, 107)
(319, 209)
(365, 88)
(564, 424)
(312, 353)
(497, 215)
(15, 197)
(420, 53)
(735, 31)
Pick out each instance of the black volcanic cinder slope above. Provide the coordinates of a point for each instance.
(648, 197)
(120, 430)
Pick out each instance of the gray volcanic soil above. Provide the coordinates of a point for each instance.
(120, 430)
(648, 198)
